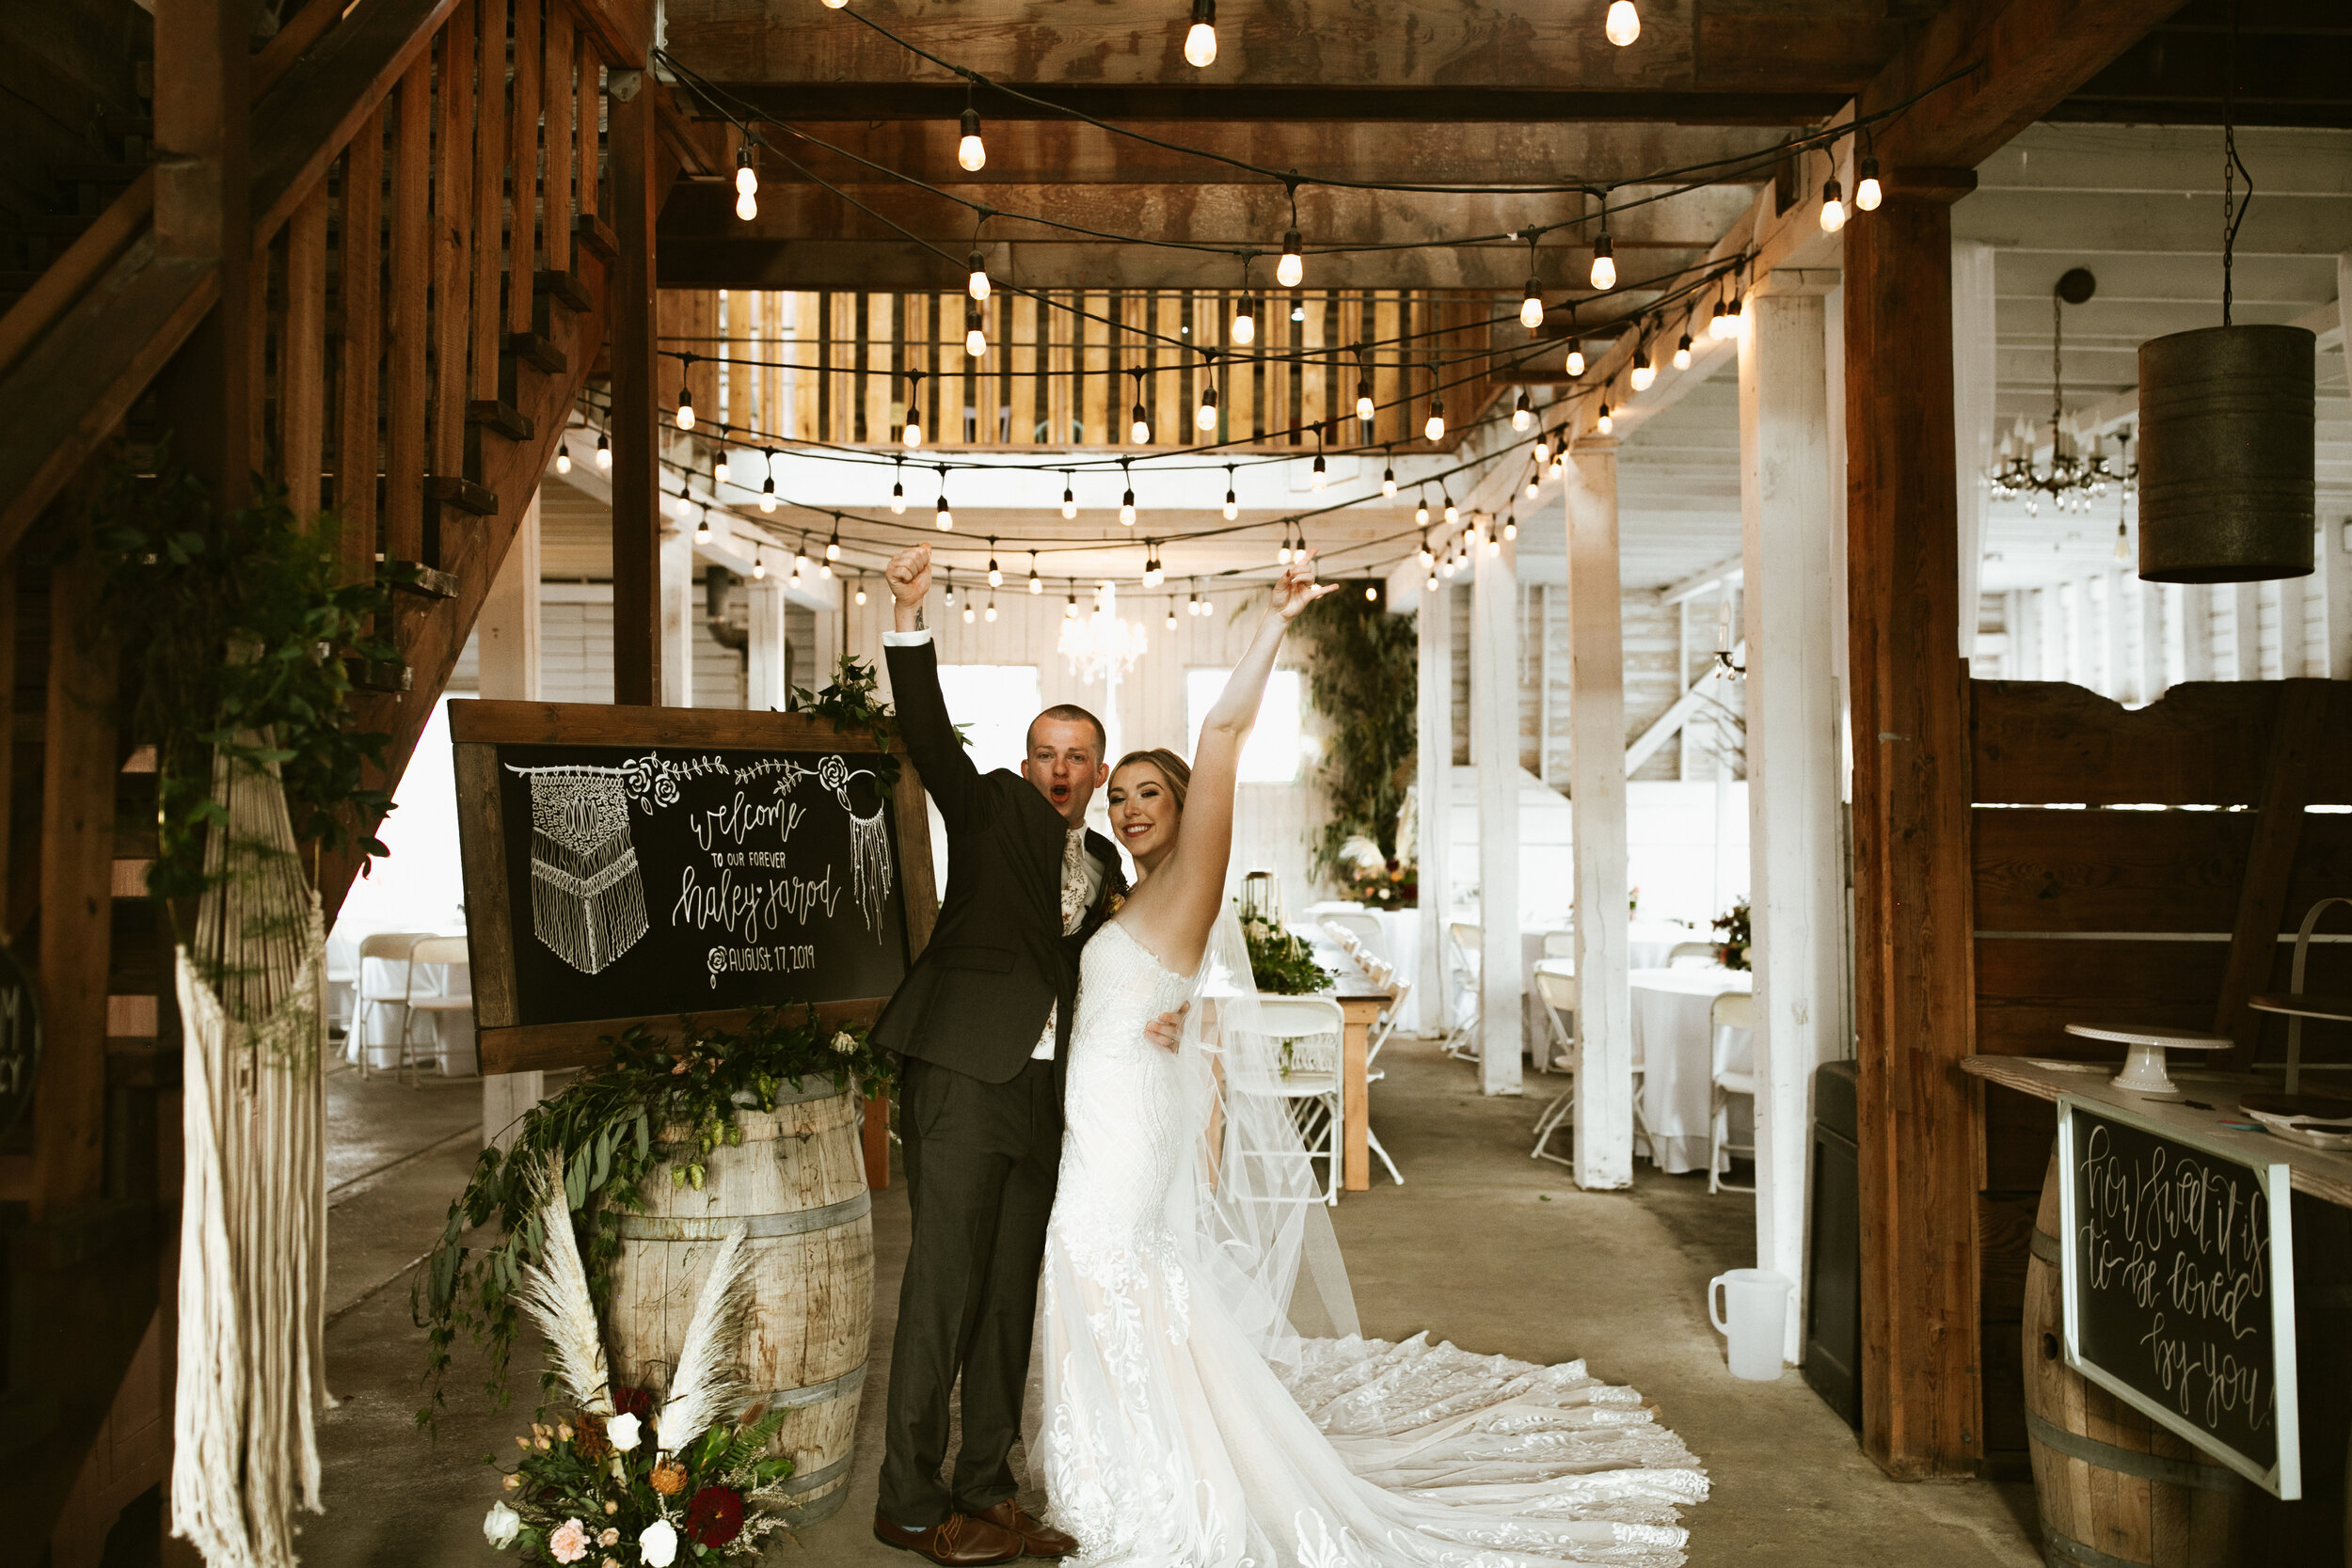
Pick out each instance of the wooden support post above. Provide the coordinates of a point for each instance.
(1604, 1024)
(680, 612)
(2197, 655)
(77, 848)
(1433, 786)
(203, 208)
(2114, 623)
(1788, 520)
(2334, 555)
(636, 448)
(507, 636)
(2155, 647)
(1975, 379)
(768, 684)
(2246, 629)
(1914, 899)
(2261, 909)
(1495, 757)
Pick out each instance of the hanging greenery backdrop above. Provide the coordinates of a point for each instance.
(1361, 675)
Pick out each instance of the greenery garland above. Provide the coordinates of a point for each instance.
(853, 703)
(1281, 963)
(1363, 676)
(236, 627)
(602, 1131)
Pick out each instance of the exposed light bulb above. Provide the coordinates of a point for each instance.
(912, 435)
(1371, 593)
(1623, 25)
(719, 472)
(768, 493)
(1427, 558)
(1532, 307)
(1283, 556)
(977, 285)
(968, 612)
(1139, 427)
(759, 567)
(1644, 372)
(1246, 323)
(1318, 475)
(835, 5)
(899, 500)
(1201, 41)
(1171, 604)
(1364, 407)
(1720, 326)
(992, 610)
(1205, 415)
(563, 458)
(1127, 507)
(946, 518)
(1683, 353)
(1433, 427)
(1522, 412)
(1453, 513)
(861, 582)
(1543, 448)
(604, 454)
(1833, 207)
(1388, 480)
(1446, 566)
(1421, 514)
(800, 556)
(1604, 258)
(969, 152)
(1867, 192)
(685, 408)
(832, 546)
(746, 205)
(1534, 483)
(1069, 503)
(1576, 358)
(1233, 504)
(1070, 606)
(701, 528)
(995, 575)
(1290, 268)
(975, 340)
(1511, 527)
(1607, 424)
(2123, 542)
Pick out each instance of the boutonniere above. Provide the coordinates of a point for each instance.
(1112, 904)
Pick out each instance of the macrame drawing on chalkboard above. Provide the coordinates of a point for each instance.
(869, 841)
(587, 902)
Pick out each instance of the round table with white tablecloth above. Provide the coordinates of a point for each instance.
(1674, 1036)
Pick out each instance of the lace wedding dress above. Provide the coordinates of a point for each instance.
(1178, 1420)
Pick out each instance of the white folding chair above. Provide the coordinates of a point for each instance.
(1733, 1074)
(1560, 944)
(1398, 988)
(450, 954)
(1358, 933)
(1705, 952)
(1463, 938)
(1311, 1031)
(379, 986)
(1555, 989)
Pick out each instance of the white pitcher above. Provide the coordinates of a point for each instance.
(1756, 1304)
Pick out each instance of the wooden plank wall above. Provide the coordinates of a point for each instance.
(2110, 852)
(833, 368)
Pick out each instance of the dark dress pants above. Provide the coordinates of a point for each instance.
(980, 1163)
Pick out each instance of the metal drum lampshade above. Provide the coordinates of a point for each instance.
(2226, 452)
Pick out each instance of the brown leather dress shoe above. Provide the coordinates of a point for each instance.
(1038, 1538)
(959, 1540)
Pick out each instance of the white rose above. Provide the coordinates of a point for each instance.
(659, 1544)
(501, 1526)
(845, 1043)
(622, 1431)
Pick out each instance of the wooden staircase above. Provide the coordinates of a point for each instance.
(424, 300)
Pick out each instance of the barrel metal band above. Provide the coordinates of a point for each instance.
(2045, 1247)
(814, 1479)
(2060, 1550)
(2130, 1462)
(817, 1393)
(679, 1228)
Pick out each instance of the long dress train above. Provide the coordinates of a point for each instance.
(1179, 1422)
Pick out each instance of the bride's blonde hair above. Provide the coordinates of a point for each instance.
(1175, 769)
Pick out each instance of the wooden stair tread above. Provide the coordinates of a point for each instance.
(538, 350)
(429, 582)
(504, 417)
(596, 236)
(565, 287)
(461, 493)
(371, 675)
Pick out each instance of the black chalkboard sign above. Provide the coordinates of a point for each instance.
(637, 864)
(2179, 1278)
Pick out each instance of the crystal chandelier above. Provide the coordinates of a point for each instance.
(1099, 643)
(2075, 478)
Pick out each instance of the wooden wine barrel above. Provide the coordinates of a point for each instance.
(796, 1186)
(2114, 1487)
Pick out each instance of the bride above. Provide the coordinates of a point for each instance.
(1203, 1399)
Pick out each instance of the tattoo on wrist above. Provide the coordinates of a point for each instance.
(918, 619)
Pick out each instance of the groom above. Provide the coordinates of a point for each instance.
(981, 1023)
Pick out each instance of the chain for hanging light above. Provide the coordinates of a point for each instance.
(1201, 39)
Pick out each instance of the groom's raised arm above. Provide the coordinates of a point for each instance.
(945, 767)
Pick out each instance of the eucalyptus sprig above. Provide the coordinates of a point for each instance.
(658, 1106)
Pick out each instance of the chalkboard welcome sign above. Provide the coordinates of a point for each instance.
(627, 865)
(2179, 1279)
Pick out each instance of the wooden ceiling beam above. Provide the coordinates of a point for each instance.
(1550, 45)
(1444, 104)
(1046, 152)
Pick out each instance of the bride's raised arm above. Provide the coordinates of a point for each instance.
(1186, 892)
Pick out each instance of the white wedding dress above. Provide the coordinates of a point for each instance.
(1179, 1421)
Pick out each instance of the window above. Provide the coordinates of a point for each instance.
(994, 704)
(1273, 752)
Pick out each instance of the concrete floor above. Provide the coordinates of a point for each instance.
(1481, 1246)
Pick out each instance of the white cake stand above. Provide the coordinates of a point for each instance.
(2143, 1070)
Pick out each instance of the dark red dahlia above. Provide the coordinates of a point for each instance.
(715, 1515)
(633, 1401)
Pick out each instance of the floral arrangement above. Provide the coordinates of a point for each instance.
(1734, 924)
(1280, 962)
(1373, 879)
(623, 1479)
(599, 1132)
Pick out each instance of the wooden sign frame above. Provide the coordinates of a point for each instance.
(2282, 1479)
(478, 728)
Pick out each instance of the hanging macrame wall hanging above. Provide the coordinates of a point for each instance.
(587, 901)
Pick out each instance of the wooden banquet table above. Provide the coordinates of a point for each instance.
(1360, 1001)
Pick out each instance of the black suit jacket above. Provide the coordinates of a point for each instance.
(977, 997)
